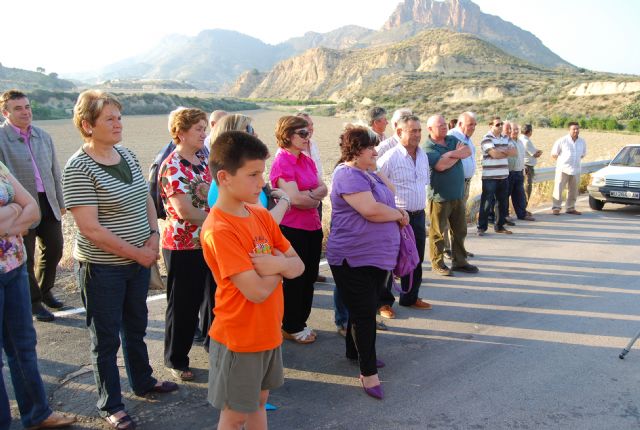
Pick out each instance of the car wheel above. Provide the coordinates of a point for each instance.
(595, 204)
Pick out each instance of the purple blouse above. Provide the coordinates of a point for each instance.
(352, 237)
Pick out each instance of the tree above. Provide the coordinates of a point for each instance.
(40, 69)
(53, 75)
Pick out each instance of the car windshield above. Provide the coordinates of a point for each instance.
(628, 156)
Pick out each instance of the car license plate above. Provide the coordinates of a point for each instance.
(625, 194)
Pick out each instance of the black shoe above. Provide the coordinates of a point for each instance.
(470, 254)
(49, 300)
(447, 254)
(467, 268)
(503, 231)
(510, 223)
(40, 313)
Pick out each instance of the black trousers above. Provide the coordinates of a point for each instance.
(360, 288)
(298, 292)
(187, 275)
(42, 275)
(206, 315)
(417, 221)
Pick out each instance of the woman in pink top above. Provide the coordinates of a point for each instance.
(296, 174)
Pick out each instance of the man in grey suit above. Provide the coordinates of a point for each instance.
(29, 154)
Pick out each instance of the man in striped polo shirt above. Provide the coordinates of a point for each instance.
(495, 174)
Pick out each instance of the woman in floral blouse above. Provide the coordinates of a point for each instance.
(184, 181)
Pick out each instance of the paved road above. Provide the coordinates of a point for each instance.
(531, 342)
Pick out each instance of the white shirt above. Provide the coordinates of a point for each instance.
(569, 154)
(409, 177)
(386, 145)
(468, 164)
(530, 149)
(314, 154)
(207, 142)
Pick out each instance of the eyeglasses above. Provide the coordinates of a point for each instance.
(302, 133)
(250, 129)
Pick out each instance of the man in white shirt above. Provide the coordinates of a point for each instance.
(463, 131)
(568, 151)
(407, 167)
(392, 141)
(530, 159)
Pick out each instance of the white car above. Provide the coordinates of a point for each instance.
(619, 182)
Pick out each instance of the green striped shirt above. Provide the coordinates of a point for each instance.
(122, 207)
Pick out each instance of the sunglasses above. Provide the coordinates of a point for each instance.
(498, 124)
(302, 133)
(250, 129)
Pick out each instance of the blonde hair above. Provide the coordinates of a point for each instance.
(231, 122)
(89, 106)
(183, 120)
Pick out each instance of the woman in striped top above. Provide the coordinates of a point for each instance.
(116, 243)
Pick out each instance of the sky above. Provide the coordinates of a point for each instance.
(82, 35)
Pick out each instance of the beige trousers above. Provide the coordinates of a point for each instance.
(447, 233)
(572, 182)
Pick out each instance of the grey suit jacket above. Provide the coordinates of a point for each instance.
(15, 154)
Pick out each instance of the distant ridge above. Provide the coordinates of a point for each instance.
(27, 80)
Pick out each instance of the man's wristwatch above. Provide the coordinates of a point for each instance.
(154, 231)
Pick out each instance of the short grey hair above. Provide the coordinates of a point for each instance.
(400, 113)
(465, 115)
(404, 119)
(375, 113)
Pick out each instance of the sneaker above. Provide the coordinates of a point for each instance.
(467, 268)
(441, 270)
(447, 254)
(385, 311)
(421, 304)
(556, 211)
(481, 232)
(573, 212)
(503, 231)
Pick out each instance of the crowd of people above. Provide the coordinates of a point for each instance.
(242, 254)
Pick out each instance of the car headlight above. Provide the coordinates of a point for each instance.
(598, 181)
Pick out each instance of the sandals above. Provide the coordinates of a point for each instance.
(123, 423)
(302, 337)
(183, 375)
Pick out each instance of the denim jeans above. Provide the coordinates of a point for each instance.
(493, 190)
(115, 299)
(417, 221)
(18, 338)
(340, 311)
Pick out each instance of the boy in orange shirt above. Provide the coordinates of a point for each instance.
(249, 256)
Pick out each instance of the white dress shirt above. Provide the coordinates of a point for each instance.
(386, 145)
(569, 154)
(468, 164)
(409, 176)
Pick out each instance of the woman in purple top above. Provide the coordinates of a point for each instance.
(363, 245)
(295, 173)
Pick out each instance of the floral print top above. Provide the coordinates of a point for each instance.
(179, 176)
(12, 253)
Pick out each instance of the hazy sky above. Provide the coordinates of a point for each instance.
(81, 35)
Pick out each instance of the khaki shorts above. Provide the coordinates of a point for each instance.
(237, 378)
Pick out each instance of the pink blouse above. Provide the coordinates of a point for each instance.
(301, 170)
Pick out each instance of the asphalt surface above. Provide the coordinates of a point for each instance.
(531, 342)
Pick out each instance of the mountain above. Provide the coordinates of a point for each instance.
(206, 60)
(27, 80)
(338, 74)
(464, 16)
(345, 37)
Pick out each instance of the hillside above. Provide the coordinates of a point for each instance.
(27, 80)
(464, 16)
(338, 74)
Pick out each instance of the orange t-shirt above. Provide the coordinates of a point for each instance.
(227, 240)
